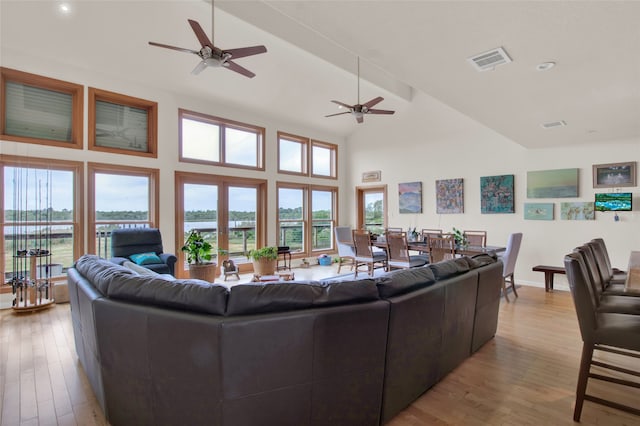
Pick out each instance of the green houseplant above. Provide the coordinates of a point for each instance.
(199, 255)
(458, 235)
(264, 260)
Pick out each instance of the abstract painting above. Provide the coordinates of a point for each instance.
(558, 183)
(538, 211)
(410, 197)
(496, 194)
(449, 196)
(577, 211)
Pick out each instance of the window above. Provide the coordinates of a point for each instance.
(372, 208)
(122, 124)
(41, 197)
(306, 217)
(324, 160)
(294, 156)
(120, 197)
(213, 140)
(36, 109)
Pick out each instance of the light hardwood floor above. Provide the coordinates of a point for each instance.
(525, 376)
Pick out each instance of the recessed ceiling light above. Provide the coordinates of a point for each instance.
(545, 66)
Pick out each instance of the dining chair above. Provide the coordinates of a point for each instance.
(398, 252)
(441, 248)
(509, 257)
(364, 253)
(392, 230)
(426, 233)
(475, 238)
(607, 332)
(617, 276)
(344, 243)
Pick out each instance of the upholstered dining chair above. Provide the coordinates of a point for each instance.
(426, 233)
(344, 243)
(476, 238)
(607, 332)
(364, 253)
(441, 248)
(617, 276)
(142, 246)
(398, 252)
(509, 257)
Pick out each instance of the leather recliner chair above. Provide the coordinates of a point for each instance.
(129, 242)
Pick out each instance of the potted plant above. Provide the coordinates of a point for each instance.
(199, 255)
(458, 235)
(264, 260)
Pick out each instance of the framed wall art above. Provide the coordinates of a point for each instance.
(538, 211)
(122, 124)
(560, 183)
(372, 176)
(614, 175)
(577, 211)
(449, 196)
(496, 194)
(410, 197)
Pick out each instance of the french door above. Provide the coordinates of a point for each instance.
(228, 212)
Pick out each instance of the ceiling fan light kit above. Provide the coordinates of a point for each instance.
(212, 56)
(359, 110)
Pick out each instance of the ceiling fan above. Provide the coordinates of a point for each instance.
(359, 110)
(212, 56)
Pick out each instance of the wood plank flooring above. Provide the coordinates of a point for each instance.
(525, 376)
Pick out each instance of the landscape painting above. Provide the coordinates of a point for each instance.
(410, 197)
(449, 196)
(538, 211)
(560, 183)
(577, 211)
(496, 194)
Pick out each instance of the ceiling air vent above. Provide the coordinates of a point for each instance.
(553, 124)
(490, 59)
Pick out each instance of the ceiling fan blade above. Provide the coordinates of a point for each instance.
(373, 102)
(338, 113)
(246, 51)
(202, 36)
(360, 119)
(166, 46)
(343, 104)
(198, 69)
(380, 111)
(237, 68)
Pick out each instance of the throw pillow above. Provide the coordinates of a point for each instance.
(145, 258)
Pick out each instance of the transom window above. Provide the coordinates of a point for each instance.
(303, 156)
(214, 140)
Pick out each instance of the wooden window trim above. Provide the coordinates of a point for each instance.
(77, 97)
(154, 193)
(333, 148)
(222, 123)
(304, 161)
(116, 98)
(360, 191)
(76, 167)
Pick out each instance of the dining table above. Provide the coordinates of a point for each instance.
(467, 250)
(632, 283)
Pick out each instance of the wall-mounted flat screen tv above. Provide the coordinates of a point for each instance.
(615, 201)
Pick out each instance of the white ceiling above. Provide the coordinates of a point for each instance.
(405, 46)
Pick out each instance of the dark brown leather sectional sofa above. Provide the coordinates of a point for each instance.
(184, 352)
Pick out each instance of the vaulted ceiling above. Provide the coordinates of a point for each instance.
(405, 47)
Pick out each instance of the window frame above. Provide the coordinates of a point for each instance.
(333, 150)
(223, 124)
(307, 215)
(77, 112)
(77, 169)
(154, 192)
(304, 153)
(116, 98)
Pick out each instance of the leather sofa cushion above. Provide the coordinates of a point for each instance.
(449, 268)
(404, 281)
(118, 282)
(479, 260)
(257, 298)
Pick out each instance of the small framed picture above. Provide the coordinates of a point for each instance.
(122, 124)
(373, 176)
(614, 175)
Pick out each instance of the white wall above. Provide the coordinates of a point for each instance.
(167, 161)
(430, 141)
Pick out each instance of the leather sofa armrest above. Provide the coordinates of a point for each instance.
(170, 260)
